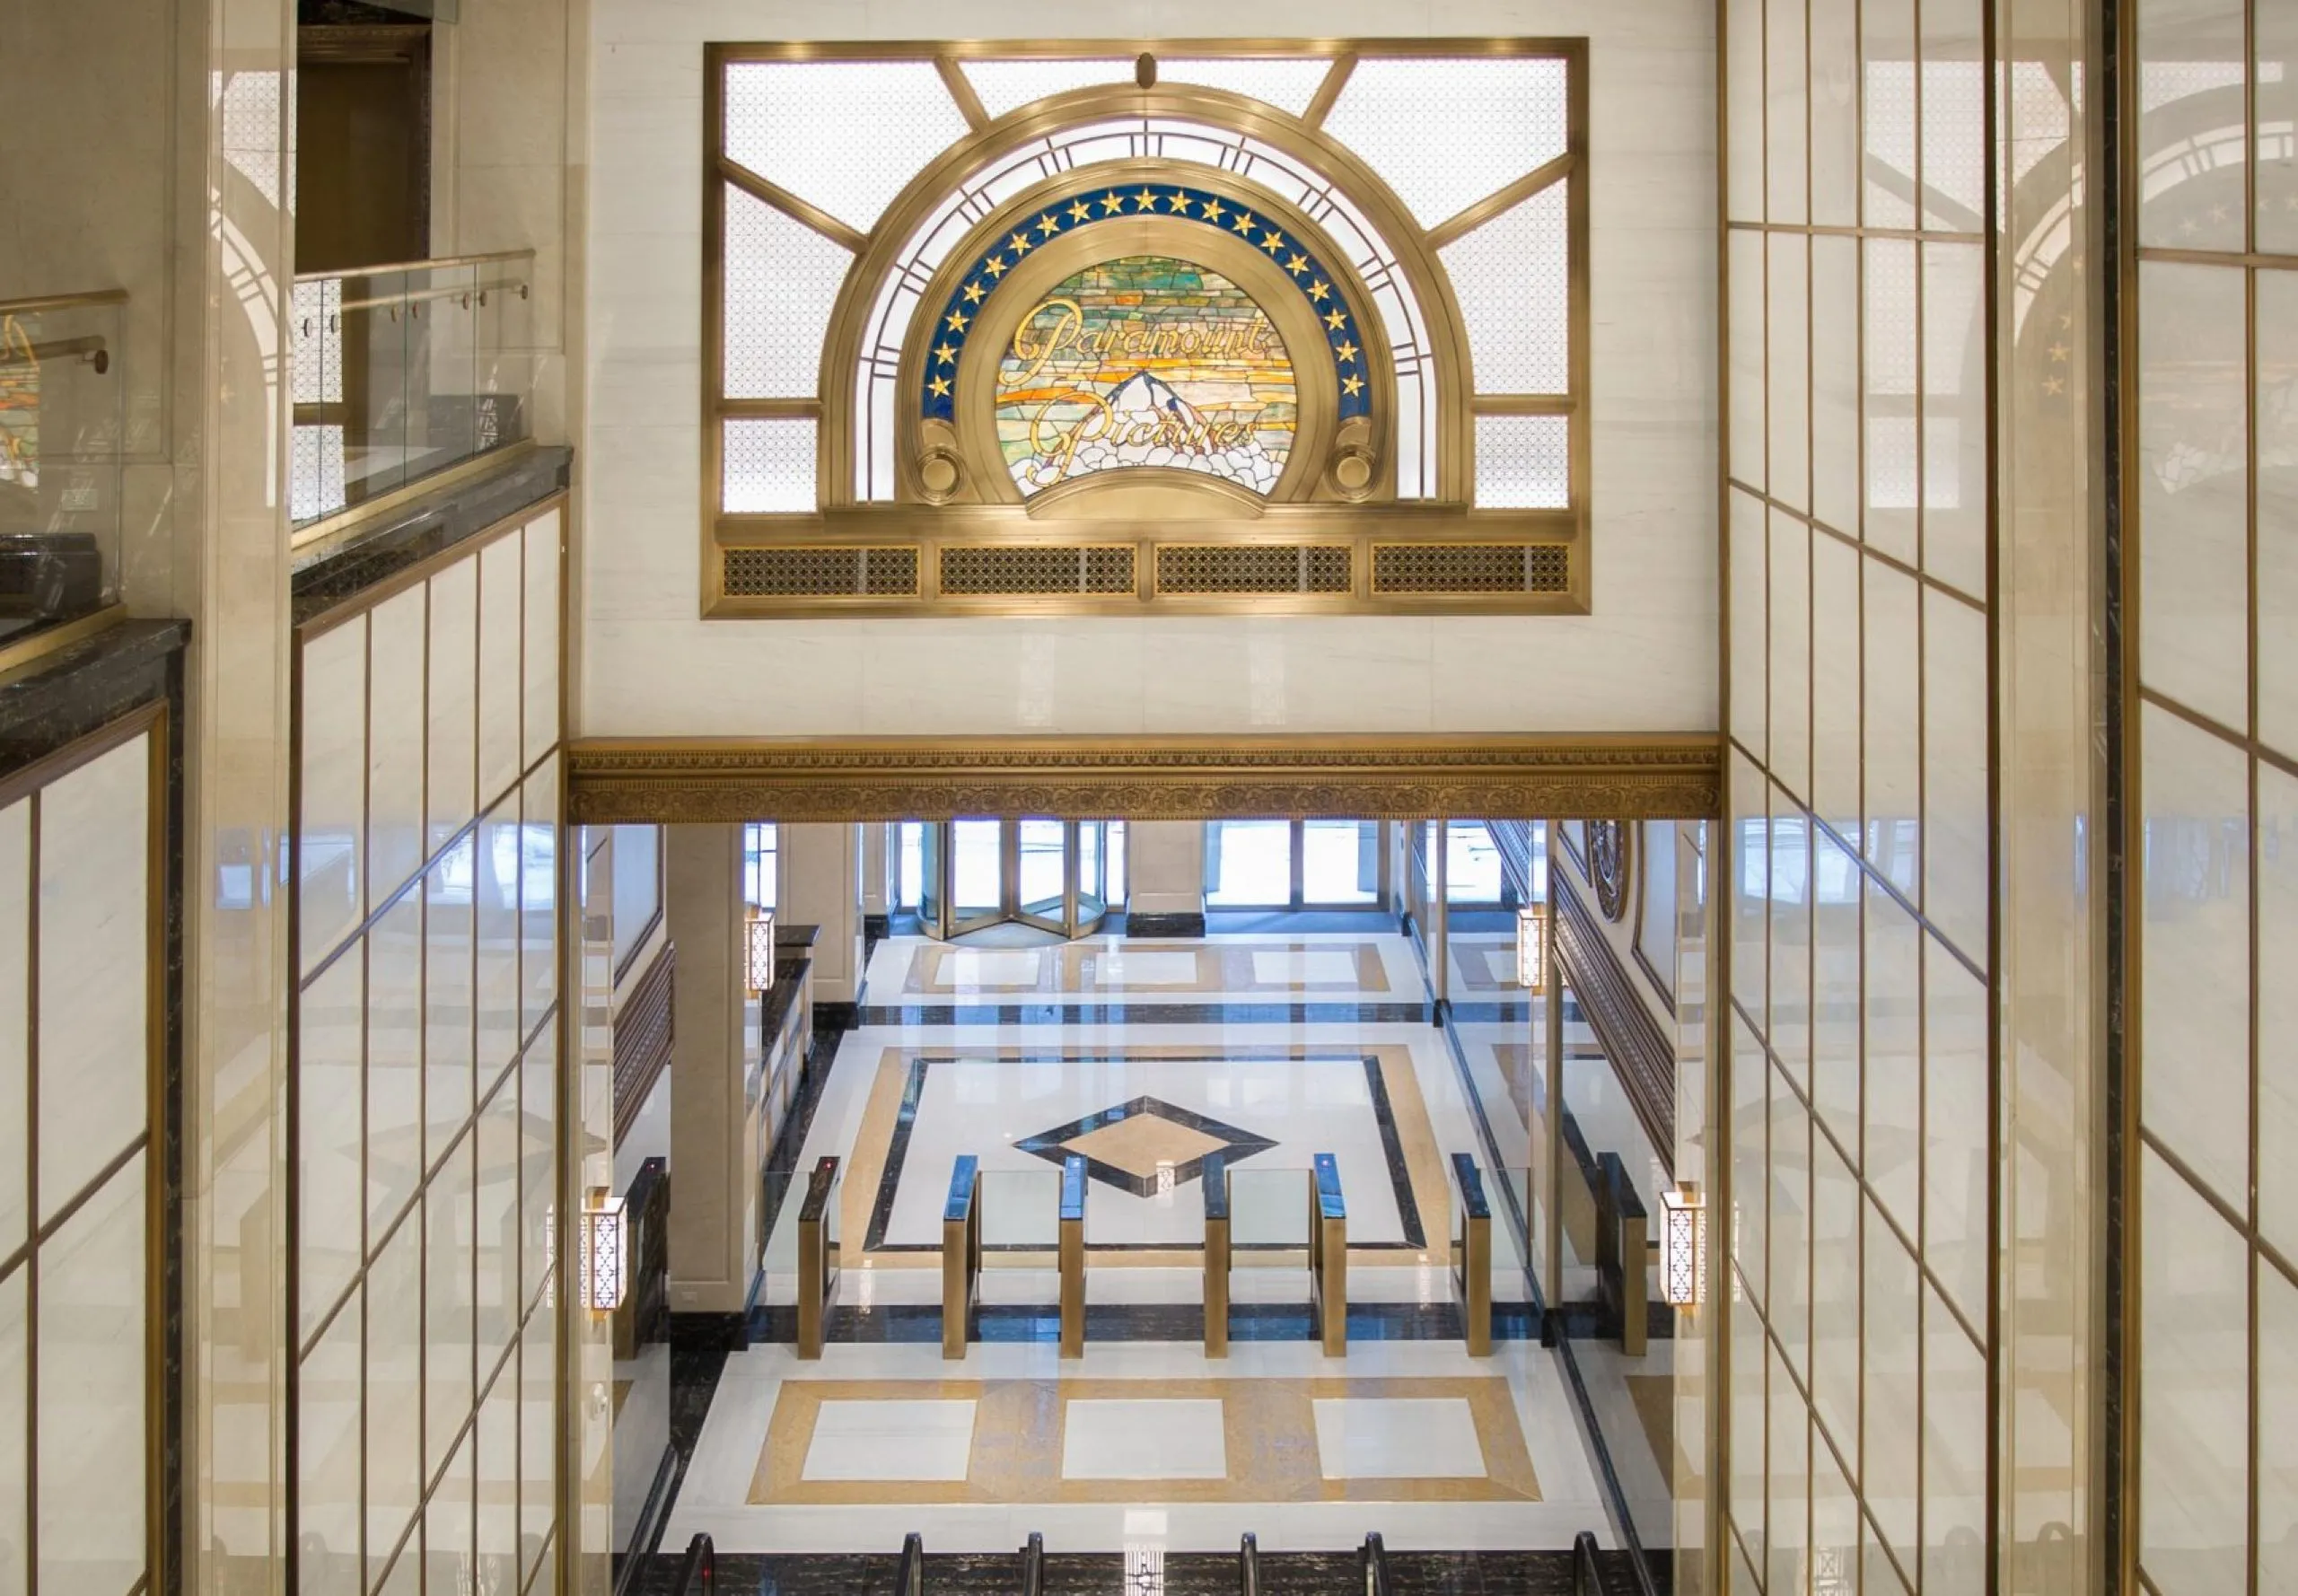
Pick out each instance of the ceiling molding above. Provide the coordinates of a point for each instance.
(715, 779)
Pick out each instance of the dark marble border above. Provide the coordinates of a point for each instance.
(1180, 924)
(882, 1208)
(1052, 1145)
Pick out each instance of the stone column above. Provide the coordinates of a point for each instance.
(881, 852)
(713, 1166)
(1164, 876)
(821, 885)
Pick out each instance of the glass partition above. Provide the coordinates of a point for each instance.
(60, 440)
(403, 371)
(1021, 1212)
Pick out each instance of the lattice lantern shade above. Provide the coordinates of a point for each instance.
(1532, 947)
(1683, 1246)
(606, 1250)
(757, 952)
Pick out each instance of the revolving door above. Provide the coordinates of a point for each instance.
(1050, 875)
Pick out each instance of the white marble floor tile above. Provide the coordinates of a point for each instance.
(1398, 1438)
(1320, 966)
(891, 1441)
(1119, 1438)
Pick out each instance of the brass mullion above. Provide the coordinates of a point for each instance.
(1525, 403)
(728, 407)
(1501, 200)
(961, 90)
(798, 210)
(1320, 104)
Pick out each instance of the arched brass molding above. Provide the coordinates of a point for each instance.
(1224, 115)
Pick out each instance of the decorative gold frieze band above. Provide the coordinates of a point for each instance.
(876, 778)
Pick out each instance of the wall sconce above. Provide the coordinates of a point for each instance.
(757, 952)
(1532, 947)
(606, 1250)
(1683, 1245)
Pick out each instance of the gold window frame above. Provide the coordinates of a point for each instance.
(1371, 524)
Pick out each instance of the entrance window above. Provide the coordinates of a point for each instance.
(761, 859)
(967, 875)
(1472, 865)
(1292, 864)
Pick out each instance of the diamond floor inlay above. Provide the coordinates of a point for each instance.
(1145, 1146)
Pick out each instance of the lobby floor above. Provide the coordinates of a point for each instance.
(1145, 1056)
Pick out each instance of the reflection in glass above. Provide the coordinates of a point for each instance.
(92, 1449)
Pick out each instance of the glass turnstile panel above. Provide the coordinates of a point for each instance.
(1021, 1211)
(976, 876)
(1041, 885)
(1340, 862)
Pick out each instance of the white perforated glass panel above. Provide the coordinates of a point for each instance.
(845, 136)
(1288, 86)
(1501, 118)
(1005, 85)
(769, 465)
(781, 277)
(1513, 278)
(1524, 462)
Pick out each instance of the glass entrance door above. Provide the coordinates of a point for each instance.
(1050, 875)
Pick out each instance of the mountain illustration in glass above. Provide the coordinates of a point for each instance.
(1146, 361)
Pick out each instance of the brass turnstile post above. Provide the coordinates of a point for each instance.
(961, 1255)
(1472, 1256)
(1073, 1255)
(1328, 1257)
(816, 1258)
(1216, 1184)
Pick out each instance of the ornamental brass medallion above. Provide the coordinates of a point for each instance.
(1611, 864)
(1146, 361)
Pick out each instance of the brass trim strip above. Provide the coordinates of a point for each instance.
(791, 206)
(60, 302)
(344, 522)
(22, 656)
(1469, 218)
(1320, 104)
(721, 779)
(406, 266)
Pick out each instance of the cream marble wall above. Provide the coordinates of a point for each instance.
(1645, 659)
(1164, 867)
(714, 1223)
(818, 870)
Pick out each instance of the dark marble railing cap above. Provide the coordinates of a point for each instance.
(1214, 1178)
(85, 685)
(1471, 1184)
(795, 936)
(819, 1185)
(1329, 1203)
(964, 1177)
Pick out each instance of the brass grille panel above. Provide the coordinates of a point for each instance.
(853, 573)
(990, 572)
(1212, 569)
(1471, 568)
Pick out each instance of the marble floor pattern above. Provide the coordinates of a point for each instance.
(1145, 1057)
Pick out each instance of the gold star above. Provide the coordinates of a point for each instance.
(1177, 202)
(1335, 319)
(1213, 210)
(1352, 386)
(1343, 351)
(957, 321)
(2058, 353)
(1318, 289)
(1272, 241)
(1112, 203)
(1049, 225)
(1297, 265)
(941, 387)
(2053, 385)
(1144, 201)
(2066, 321)
(1079, 211)
(1019, 243)
(943, 355)
(974, 291)
(1243, 224)
(994, 265)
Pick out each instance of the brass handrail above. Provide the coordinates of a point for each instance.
(413, 266)
(91, 345)
(462, 291)
(58, 301)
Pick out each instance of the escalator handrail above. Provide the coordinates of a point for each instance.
(1375, 1557)
(699, 1574)
(1033, 1565)
(1587, 1573)
(909, 1579)
(1249, 1565)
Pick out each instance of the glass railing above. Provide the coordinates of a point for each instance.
(404, 371)
(61, 424)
